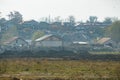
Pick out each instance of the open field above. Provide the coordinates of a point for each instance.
(114, 53)
(44, 69)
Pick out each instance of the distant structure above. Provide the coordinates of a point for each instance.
(49, 41)
(106, 42)
(16, 43)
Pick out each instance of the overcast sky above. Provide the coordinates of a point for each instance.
(81, 9)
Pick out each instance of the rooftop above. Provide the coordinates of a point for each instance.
(44, 37)
(103, 40)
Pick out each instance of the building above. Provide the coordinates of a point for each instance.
(16, 43)
(49, 41)
(106, 42)
(78, 45)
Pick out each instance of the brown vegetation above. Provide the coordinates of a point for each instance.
(37, 69)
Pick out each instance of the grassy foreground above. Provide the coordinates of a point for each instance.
(37, 69)
(96, 52)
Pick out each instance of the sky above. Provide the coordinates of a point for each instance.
(80, 9)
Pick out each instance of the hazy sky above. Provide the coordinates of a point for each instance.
(81, 9)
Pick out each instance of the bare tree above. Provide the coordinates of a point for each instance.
(15, 16)
(71, 19)
(93, 19)
(57, 19)
(108, 20)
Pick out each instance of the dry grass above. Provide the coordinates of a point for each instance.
(59, 70)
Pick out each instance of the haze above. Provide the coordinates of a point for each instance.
(81, 9)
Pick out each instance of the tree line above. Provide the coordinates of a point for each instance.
(16, 26)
